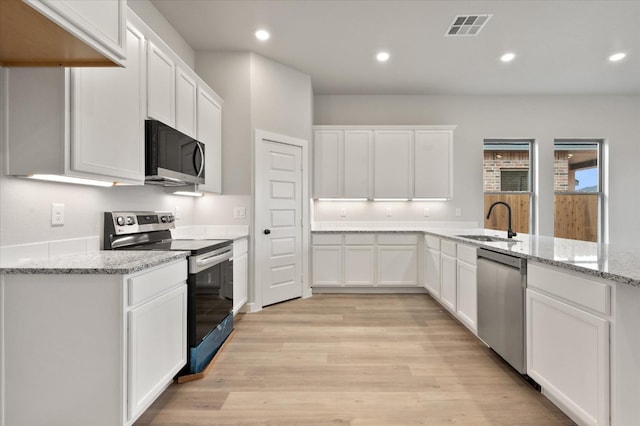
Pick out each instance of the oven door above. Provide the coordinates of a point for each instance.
(210, 293)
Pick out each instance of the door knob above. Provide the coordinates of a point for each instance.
(267, 231)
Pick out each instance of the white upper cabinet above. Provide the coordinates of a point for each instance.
(107, 133)
(433, 167)
(407, 162)
(209, 124)
(89, 120)
(63, 32)
(185, 102)
(327, 161)
(161, 85)
(358, 147)
(393, 153)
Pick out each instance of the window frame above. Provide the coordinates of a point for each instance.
(533, 229)
(601, 184)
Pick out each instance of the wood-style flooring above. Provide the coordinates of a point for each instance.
(355, 360)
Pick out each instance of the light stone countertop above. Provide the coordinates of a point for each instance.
(112, 262)
(619, 263)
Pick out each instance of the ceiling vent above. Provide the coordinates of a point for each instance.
(467, 25)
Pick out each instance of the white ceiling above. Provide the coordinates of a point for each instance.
(561, 46)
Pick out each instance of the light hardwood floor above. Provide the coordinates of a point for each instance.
(355, 360)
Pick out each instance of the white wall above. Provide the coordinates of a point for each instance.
(542, 118)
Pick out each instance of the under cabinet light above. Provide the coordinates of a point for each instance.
(187, 190)
(429, 199)
(341, 199)
(69, 179)
(390, 199)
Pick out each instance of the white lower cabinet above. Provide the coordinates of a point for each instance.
(467, 297)
(365, 260)
(84, 349)
(240, 273)
(568, 342)
(448, 274)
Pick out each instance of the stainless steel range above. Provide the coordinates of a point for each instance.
(209, 284)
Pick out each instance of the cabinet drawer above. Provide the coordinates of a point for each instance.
(432, 242)
(448, 247)
(467, 253)
(327, 239)
(240, 247)
(359, 239)
(149, 284)
(580, 290)
(397, 239)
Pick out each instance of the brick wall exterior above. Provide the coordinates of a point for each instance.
(510, 160)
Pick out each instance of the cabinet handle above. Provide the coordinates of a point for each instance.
(267, 231)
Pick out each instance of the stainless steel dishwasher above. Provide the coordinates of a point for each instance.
(502, 281)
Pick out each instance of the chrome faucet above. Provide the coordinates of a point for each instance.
(510, 233)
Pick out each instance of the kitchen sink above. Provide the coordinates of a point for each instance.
(489, 238)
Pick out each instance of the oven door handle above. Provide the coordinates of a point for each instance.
(213, 260)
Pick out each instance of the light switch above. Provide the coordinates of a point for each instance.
(343, 212)
(57, 214)
(458, 212)
(239, 212)
(177, 213)
(426, 212)
(388, 212)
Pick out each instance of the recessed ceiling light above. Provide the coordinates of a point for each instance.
(262, 35)
(507, 57)
(617, 57)
(383, 56)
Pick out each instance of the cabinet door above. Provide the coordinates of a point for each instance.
(161, 86)
(327, 266)
(240, 281)
(433, 164)
(393, 165)
(568, 355)
(107, 117)
(397, 265)
(157, 347)
(100, 24)
(432, 272)
(359, 266)
(448, 289)
(185, 103)
(467, 306)
(358, 145)
(209, 122)
(327, 164)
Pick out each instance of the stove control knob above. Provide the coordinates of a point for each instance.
(120, 220)
(131, 220)
(164, 219)
(171, 218)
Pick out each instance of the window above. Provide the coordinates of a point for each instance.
(507, 177)
(577, 181)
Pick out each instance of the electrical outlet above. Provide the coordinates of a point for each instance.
(343, 212)
(177, 212)
(239, 212)
(388, 212)
(426, 212)
(57, 214)
(458, 212)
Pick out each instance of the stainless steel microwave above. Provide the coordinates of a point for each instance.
(172, 158)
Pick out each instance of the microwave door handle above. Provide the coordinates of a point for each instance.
(199, 145)
(214, 259)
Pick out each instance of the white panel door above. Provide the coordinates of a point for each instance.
(282, 244)
(327, 163)
(568, 355)
(209, 122)
(397, 265)
(393, 165)
(359, 265)
(161, 85)
(107, 124)
(327, 266)
(185, 103)
(358, 146)
(467, 306)
(433, 164)
(432, 271)
(448, 289)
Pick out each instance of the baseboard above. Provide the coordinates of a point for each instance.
(369, 290)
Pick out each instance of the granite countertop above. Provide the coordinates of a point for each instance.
(619, 263)
(117, 262)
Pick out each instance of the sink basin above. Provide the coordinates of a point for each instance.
(489, 238)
